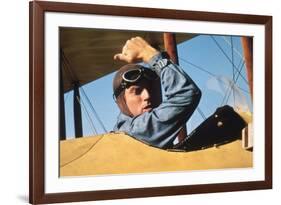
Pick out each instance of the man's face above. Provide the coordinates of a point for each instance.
(138, 98)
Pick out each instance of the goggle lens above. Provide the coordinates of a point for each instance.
(132, 75)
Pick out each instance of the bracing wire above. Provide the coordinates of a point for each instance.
(234, 84)
(206, 71)
(87, 114)
(201, 113)
(227, 57)
(234, 49)
(67, 74)
(202, 69)
(231, 87)
(196, 66)
(93, 109)
(70, 72)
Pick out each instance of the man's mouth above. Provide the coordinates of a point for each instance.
(147, 108)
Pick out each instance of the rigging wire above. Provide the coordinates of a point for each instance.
(198, 67)
(201, 113)
(234, 84)
(228, 91)
(93, 109)
(67, 72)
(234, 49)
(66, 62)
(202, 69)
(227, 57)
(87, 114)
(206, 71)
(227, 94)
(229, 87)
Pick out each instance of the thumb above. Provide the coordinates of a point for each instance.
(117, 56)
(121, 57)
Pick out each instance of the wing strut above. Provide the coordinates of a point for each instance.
(247, 44)
(77, 111)
(61, 109)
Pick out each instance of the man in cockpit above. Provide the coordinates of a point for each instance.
(141, 114)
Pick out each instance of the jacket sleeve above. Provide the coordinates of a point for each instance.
(181, 96)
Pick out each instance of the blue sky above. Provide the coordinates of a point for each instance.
(203, 52)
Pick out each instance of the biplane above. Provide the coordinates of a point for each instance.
(86, 55)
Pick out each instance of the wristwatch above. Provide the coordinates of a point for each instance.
(161, 62)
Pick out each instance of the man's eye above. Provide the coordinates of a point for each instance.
(137, 90)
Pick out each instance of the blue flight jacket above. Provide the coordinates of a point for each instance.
(160, 126)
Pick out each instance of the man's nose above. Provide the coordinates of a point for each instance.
(145, 94)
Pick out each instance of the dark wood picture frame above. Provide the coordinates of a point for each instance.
(36, 151)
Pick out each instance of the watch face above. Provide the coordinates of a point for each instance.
(162, 63)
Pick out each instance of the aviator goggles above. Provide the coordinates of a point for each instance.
(133, 76)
